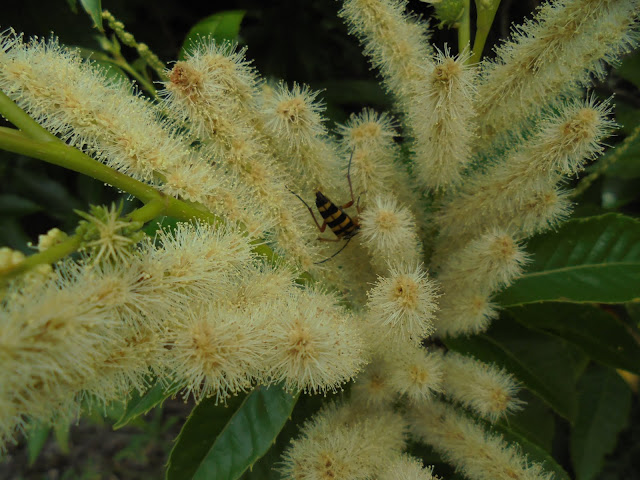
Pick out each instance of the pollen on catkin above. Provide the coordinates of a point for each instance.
(565, 46)
(314, 345)
(388, 232)
(292, 121)
(213, 351)
(503, 195)
(372, 386)
(490, 262)
(413, 372)
(196, 260)
(402, 304)
(440, 122)
(406, 467)
(486, 389)
(333, 447)
(395, 41)
(464, 312)
(461, 441)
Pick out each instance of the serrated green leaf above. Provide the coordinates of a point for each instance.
(15, 206)
(535, 421)
(546, 365)
(598, 333)
(221, 26)
(605, 402)
(141, 404)
(593, 259)
(94, 9)
(37, 436)
(222, 442)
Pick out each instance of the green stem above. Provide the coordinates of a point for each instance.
(464, 30)
(23, 121)
(486, 12)
(144, 83)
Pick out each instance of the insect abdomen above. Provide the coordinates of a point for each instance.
(339, 222)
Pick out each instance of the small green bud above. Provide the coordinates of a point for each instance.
(449, 12)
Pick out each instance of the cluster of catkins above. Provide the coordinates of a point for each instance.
(490, 147)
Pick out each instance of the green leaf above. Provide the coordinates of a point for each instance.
(618, 192)
(221, 26)
(61, 433)
(605, 402)
(15, 206)
(160, 223)
(37, 436)
(535, 422)
(598, 333)
(534, 452)
(94, 9)
(630, 68)
(141, 404)
(73, 5)
(593, 259)
(222, 442)
(545, 364)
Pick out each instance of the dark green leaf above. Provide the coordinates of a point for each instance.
(546, 365)
(630, 68)
(61, 432)
(161, 223)
(605, 401)
(599, 334)
(222, 442)
(15, 206)
(141, 404)
(535, 421)
(73, 5)
(13, 235)
(534, 452)
(633, 309)
(618, 192)
(94, 9)
(594, 259)
(221, 26)
(36, 438)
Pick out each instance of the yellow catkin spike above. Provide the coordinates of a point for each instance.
(520, 194)
(477, 453)
(441, 122)
(565, 46)
(487, 390)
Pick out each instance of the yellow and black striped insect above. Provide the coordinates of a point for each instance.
(341, 224)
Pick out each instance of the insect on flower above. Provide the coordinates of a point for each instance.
(341, 224)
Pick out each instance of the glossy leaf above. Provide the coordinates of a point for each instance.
(221, 26)
(598, 333)
(605, 402)
(141, 404)
(593, 259)
(546, 365)
(94, 9)
(222, 442)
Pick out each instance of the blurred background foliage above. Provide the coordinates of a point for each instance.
(298, 41)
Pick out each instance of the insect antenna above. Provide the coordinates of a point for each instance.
(329, 258)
